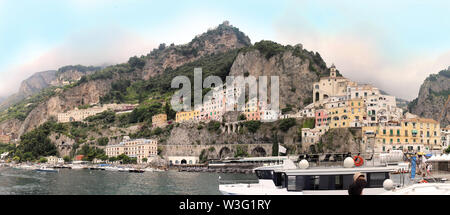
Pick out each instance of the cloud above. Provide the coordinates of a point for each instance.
(109, 45)
(365, 53)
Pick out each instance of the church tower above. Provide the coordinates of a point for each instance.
(333, 71)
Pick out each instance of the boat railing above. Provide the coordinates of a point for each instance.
(336, 159)
(238, 181)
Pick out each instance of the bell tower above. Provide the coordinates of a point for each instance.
(333, 71)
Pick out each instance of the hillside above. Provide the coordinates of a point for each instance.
(296, 67)
(433, 96)
(146, 81)
(42, 80)
(36, 110)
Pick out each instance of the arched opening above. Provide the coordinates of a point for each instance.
(183, 161)
(317, 97)
(225, 152)
(325, 96)
(258, 152)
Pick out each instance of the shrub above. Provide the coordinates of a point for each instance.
(286, 124)
(241, 151)
(252, 126)
(213, 125)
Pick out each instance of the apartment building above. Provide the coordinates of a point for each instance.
(139, 148)
(418, 134)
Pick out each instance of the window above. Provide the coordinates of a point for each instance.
(322, 182)
(375, 180)
(264, 174)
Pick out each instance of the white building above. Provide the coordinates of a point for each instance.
(361, 91)
(382, 109)
(330, 87)
(181, 160)
(311, 136)
(81, 114)
(445, 134)
(52, 160)
(139, 148)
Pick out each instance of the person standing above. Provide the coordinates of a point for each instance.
(358, 185)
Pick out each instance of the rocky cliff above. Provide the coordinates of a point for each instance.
(42, 80)
(296, 68)
(97, 84)
(219, 40)
(433, 100)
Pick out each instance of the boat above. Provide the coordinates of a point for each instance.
(149, 169)
(77, 167)
(112, 168)
(123, 169)
(46, 169)
(136, 170)
(421, 189)
(288, 180)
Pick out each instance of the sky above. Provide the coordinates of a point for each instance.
(393, 45)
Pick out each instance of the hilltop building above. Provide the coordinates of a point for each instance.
(81, 114)
(5, 138)
(159, 120)
(330, 87)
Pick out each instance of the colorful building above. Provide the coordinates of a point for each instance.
(418, 134)
(321, 118)
(187, 116)
(5, 138)
(351, 114)
(159, 120)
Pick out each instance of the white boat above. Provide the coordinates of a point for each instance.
(46, 169)
(149, 169)
(421, 189)
(78, 167)
(276, 180)
(123, 169)
(112, 168)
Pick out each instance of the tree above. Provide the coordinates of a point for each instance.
(252, 126)
(144, 160)
(242, 117)
(136, 62)
(67, 159)
(43, 160)
(102, 141)
(213, 125)
(241, 151)
(286, 124)
(203, 156)
(16, 158)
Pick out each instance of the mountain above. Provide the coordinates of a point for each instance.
(146, 81)
(219, 40)
(296, 68)
(433, 100)
(91, 88)
(45, 79)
